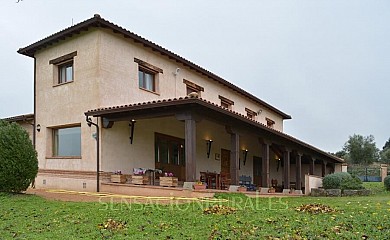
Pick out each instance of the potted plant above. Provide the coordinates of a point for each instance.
(140, 179)
(118, 177)
(168, 180)
(198, 185)
(271, 190)
(242, 188)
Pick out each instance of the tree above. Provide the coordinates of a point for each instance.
(340, 154)
(361, 150)
(18, 158)
(385, 155)
(387, 145)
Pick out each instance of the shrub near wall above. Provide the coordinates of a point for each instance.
(386, 182)
(334, 181)
(338, 184)
(18, 159)
(353, 183)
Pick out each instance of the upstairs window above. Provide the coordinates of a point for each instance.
(148, 76)
(250, 114)
(64, 68)
(192, 87)
(226, 103)
(270, 122)
(65, 72)
(146, 80)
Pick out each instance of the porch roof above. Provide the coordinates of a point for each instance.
(206, 109)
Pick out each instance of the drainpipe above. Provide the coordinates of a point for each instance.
(35, 102)
(89, 122)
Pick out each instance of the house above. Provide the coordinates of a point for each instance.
(154, 110)
(26, 121)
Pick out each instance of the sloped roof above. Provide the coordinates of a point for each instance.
(25, 117)
(98, 22)
(185, 103)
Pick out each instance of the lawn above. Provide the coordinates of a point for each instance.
(32, 217)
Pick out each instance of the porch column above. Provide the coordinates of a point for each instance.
(312, 164)
(265, 165)
(286, 162)
(190, 149)
(323, 168)
(298, 171)
(235, 158)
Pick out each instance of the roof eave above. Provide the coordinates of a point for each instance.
(97, 21)
(174, 102)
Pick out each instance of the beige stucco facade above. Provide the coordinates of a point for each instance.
(105, 74)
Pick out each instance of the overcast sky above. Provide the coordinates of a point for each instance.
(326, 63)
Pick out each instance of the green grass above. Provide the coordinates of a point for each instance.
(375, 187)
(31, 217)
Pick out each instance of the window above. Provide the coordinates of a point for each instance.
(270, 122)
(67, 142)
(250, 113)
(192, 87)
(169, 150)
(147, 75)
(226, 103)
(65, 72)
(146, 80)
(64, 68)
(170, 155)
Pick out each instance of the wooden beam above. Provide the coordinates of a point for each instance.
(323, 168)
(63, 58)
(286, 162)
(235, 158)
(190, 149)
(312, 165)
(265, 182)
(298, 171)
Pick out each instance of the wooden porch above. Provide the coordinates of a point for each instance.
(271, 145)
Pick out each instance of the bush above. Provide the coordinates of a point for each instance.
(18, 159)
(342, 180)
(331, 181)
(353, 183)
(343, 175)
(387, 183)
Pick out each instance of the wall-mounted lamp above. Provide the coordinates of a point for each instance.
(208, 143)
(176, 71)
(132, 126)
(38, 127)
(245, 154)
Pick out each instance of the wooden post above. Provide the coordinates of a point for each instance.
(190, 149)
(323, 168)
(312, 164)
(235, 158)
(298, 171)
(286, 162)
(265, 182)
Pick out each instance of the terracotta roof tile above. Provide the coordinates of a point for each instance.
(263, 126)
